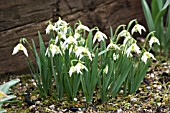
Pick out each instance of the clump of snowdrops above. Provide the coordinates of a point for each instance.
(79, 59)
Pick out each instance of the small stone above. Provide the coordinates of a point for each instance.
(133, 99)
(152, 75)
(38, 102)
(159, 87)
(159, 104)
(121, 91)
(84, 99)
(52, 106)
(119, 111)
(155, 86)
(169, 86)
(75, 99)
(33, 97)
(148, 87)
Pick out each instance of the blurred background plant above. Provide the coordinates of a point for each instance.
(157, 16)
(5, 94)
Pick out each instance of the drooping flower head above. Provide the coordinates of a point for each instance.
(53, 49)
(153, 40)
(138, 28)
(60, 23)
(124, 33)
(147, 55)
(113, 46)
(81, 51)
(49, 28)
(106, 69)
(99, 36)
(18, 48)
(133, 48)
(77, 68)
(72, 70)
(82, 27)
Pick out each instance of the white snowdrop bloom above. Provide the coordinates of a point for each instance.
(106, 69)
(112, 46)
(124, 33)
(61, 23)
(133, 48)
(153, 40)
(70, 49)
(54, 50)
(138, 28)
(62, 29)
(59, 36)
(81, 51)
(70, 40)
(79, 66)
(115, 57)
(72, 70)
(83, 27)
(63, 47)
(18, 48)
(127, 38)
(99, 36)
(77, 35)
(49, 28)
(147, 55)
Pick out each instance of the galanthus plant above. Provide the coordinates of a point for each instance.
(79, 59)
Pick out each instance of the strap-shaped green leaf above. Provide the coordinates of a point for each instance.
(161, 13)
(154, 8)
(148, 15)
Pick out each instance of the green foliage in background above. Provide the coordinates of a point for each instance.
(158, 19)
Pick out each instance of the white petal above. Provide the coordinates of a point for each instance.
(25, 51)
(94, 39)
(16, 49)
(83, 27)
(56, 39)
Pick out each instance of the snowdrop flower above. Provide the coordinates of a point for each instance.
(54, 50)
(153, 40)
(18, 48)
(133, 48)
(147, 55)
(77, 35)
(138, 28)
(49, 28)
(124, 33)
(61, 23)
(72, 70)
(115, 57)
(60, 35)
(70, 40)
(81, 51)
(79, 66)
(83, 27)
(106, 69)
(100, 36)
(128, 39)
(112, 46)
